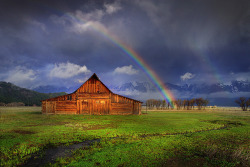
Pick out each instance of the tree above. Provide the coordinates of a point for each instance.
(192, 102)
(205, 103)
(248, 103)
(164, 104)
(243, 103)
(168, 105)
(184, 104)
(199, 103)
(179, 104)
(189, 104)
(158, 104)
(150, 103)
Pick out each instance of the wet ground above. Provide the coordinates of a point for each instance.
(51, 154)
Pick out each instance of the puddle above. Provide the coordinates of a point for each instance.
(51, 154)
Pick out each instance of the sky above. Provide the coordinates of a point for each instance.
(59, 42)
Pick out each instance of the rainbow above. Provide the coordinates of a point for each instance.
(204, 56)
(156, 80)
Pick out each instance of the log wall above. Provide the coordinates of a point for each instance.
(121, 108)
(65, 107)
(120, 99)
(90, 107)
(93, 96)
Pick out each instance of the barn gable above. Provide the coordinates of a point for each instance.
(93, 85)
(92, 97)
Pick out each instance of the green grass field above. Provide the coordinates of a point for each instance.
(158, 138)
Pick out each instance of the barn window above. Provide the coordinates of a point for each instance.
(69, 98)
(98, 88)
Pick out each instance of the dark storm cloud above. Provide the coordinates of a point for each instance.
(173, 37)
(210, 30)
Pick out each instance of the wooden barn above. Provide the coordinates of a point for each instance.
(92, 98)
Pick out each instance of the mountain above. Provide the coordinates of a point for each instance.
(204, 88)
(12, 93)
(227, 93)
(145, 90)
(240, 86)
(134, 86)
(54, 89)
(235, 86)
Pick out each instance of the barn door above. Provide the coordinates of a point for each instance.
(100, 107)
(82, 107)
(85, 107)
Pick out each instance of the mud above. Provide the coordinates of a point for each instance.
(182, 133)
(23, 132)
(50, 155)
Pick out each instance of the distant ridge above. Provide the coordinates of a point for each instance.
(54, 89)
(228, 93)
(12, 93)
(234, 87)
(145, 90)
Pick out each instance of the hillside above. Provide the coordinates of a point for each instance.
(12, 93)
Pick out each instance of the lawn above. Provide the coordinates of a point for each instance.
(158, 138)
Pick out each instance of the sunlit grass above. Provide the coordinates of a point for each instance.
(142, 139)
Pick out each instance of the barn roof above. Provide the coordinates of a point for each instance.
(128, 98)
(95, 77)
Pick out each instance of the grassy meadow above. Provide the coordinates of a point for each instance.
(156, 138)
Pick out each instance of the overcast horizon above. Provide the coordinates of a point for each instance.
(184, 42)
